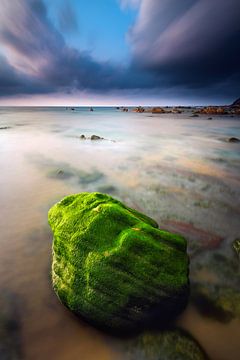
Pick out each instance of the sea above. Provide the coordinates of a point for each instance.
(178, 169)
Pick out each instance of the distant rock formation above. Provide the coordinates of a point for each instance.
(213, 110)
(158, 110)
(139, 109)
(236, 103)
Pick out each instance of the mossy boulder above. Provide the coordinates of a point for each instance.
(113, 266)
(167, 345)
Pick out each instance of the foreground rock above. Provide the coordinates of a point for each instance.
(113, 266)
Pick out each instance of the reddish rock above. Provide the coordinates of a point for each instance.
(199, 239)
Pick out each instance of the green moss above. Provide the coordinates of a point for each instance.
(112, 265)
(167, 345)
(236, 246)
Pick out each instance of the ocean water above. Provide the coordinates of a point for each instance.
(179, 170)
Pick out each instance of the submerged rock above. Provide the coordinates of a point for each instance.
(166, 345)
(96, 137)
(5, 127)
(113, 266)
(10, 327)
(233, 140)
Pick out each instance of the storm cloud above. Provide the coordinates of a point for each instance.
(183, 45)
(194, 42)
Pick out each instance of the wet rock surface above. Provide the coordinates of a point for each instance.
(166, 345)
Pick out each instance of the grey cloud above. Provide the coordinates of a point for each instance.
(192, 41)
(184, 46)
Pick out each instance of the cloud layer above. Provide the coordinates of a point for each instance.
(195, 42)
(187, 44)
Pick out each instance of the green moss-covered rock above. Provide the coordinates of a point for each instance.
(113, 266)
(166, 345)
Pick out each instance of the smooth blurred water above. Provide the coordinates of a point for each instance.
(177, 169)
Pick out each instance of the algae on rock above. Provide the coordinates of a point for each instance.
(166, 345)
(113, 266)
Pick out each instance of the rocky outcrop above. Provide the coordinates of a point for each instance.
(165, 345)
(213, 110)
(113, 266)
(236, 103)
(139, 109)
(158, 110)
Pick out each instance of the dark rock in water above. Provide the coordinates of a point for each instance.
(216, 295)
(194, 115)
(91, 109)
(236, 246)
(210, 118)
(96, 137)
(166, 345)
(87, 178)
(218, 302)
(60, 174)
(10, 327)
(233, 140)
(83, 137)
(5, 127)
(107, 189)
(113, 266)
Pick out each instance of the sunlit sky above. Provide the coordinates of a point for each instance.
(116, 52)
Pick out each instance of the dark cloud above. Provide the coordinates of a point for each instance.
(192, 42)
(181, 46)
(38, 52)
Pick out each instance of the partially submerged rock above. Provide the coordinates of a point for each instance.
(166, 345)
(233, 140)
(10, 327)
(158, 110)
(139, 109)
(113, 266)
(213, 110)
(5, 127)
(96, 137)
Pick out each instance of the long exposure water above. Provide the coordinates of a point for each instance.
(178, 169)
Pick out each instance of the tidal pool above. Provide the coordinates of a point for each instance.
(179, 170)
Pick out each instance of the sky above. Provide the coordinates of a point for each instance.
(119, 52)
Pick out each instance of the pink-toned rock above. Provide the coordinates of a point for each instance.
(199, 239)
